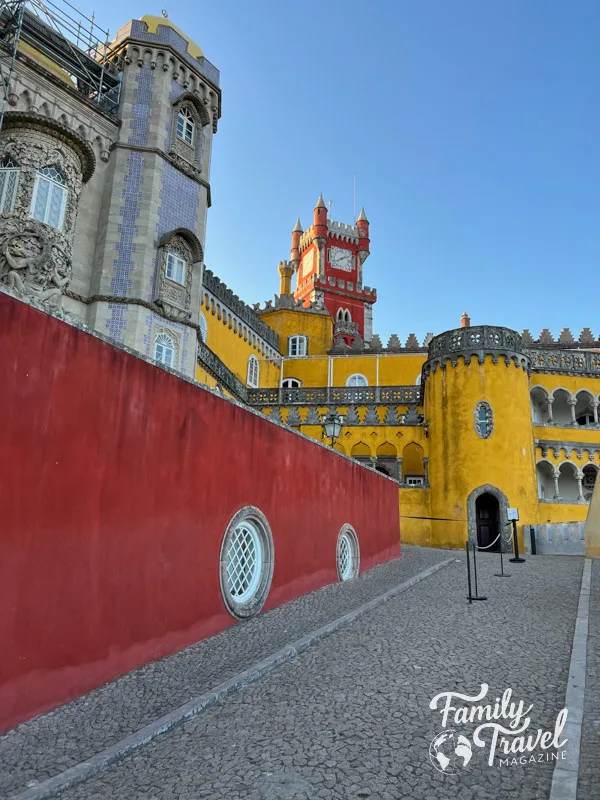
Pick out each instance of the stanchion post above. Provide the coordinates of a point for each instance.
(501, 574)
(516, 559)
(475, 596)
(470, 598)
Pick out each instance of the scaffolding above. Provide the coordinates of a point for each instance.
(69, 39)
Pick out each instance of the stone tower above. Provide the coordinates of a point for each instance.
(328, 259)
(150, 242)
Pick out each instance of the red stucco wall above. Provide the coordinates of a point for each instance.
(117, 482)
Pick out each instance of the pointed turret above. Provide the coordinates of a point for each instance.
(320, 219)
(362, 217)
(364, 243)
(295, 250)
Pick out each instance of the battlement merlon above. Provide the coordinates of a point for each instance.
(565, 339)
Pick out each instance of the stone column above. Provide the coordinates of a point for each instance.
(556, 475)
(373, 461)
(399, 462)
(550, 417)
(426, 469)
(579, 478)
(595, 410)
(572, 402)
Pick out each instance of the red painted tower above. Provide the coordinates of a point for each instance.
(328, 258)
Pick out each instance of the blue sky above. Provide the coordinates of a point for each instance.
(473, 128)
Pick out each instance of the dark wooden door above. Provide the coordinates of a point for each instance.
(488, 516)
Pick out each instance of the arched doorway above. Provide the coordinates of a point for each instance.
(487, 515)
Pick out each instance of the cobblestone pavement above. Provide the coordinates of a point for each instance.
(589, 764)
(350, 717)
(62, 738)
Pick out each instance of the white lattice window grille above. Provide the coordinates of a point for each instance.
(9, 180)
(297, 346)
(246, 562)
(186, 126)
(484, 419)
(175, 268)
(414, 480)
(253, 372)
(49, 198)
(164, 349)
(357, 380)
(203, 326)
(291, 383)
(347, 554)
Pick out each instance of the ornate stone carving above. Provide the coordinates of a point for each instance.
(479, 341)
(175, 298)
(34, 259)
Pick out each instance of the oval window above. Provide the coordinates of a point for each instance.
(484, 419)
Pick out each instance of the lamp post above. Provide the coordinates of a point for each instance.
(332, 425)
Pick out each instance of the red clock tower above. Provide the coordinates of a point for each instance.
(328, 260)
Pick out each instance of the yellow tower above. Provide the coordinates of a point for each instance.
(481, 449)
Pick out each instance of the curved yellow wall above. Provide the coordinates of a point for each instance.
(460, 461)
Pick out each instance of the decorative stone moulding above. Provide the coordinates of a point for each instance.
(479, 341)
(35, 258)
(483, 418)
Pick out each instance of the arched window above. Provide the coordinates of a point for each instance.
(484, 419)
(49, 198)
(357, 380)
(291, 383)
(297, 346)
(347, 316)
(186, 126)
(203, 326)
(175, 268)
(253, 372)
(9, 180)
(164, 349)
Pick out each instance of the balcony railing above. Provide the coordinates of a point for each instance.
(337, 395)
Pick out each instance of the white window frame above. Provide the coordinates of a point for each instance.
(188, 126)
(165, 347)
(297, 346)
(356, 380)
(39, 178)
(253, 375)
(203, 326)
(285, 383)
(177, 266)
(7, 169)
(414, 480)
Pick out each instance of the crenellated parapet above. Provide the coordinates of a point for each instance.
(286, 302)
(343, 232)
(231, 301)
(565, 339)
(479, 341)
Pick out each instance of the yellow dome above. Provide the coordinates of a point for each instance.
(153, 23)
(45, 62)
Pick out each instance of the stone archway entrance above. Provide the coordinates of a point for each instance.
(486, 514)
(487, 517)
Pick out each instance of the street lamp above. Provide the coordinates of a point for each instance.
(332, 425)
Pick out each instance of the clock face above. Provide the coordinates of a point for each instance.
(339, 258)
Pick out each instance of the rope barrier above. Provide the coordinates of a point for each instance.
(489, 545)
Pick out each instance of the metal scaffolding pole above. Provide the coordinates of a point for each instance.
(11, 24)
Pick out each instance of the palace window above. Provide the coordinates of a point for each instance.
(348, 554)
(253, 372)
(9, 180)
(186, 126)
(247, 558)
(291, 383)
(484, 419)
(164, 349)
(414, 480)
(49, 197)
(175, 268)
(297, 346)
(357, 380)
(203, 326)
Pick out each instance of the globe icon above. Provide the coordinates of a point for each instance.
(450, 752)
